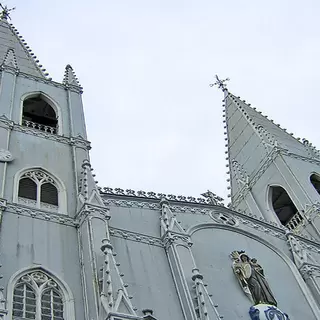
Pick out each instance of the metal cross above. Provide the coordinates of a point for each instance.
(5, 14)
(221, 84)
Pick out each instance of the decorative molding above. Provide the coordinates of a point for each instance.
(131, 204)
(159, 196)
(92, 210)
(5, 155)
(134, 236)
(41, 214)
(10, 62)
(6, 123)
(308, 271)
(73, 141)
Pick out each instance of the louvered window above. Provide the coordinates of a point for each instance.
(27, 189)
(38, 189)
(37, 296)
(49, 194)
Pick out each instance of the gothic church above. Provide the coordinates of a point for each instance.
(70, 250)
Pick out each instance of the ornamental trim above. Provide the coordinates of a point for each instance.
(135, 236)
(206, 199)
(41, 214)
(73, 141)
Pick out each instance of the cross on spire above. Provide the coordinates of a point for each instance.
(5, 13)
(221, 84)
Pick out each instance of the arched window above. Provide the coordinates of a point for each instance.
(38, 189)
(38, 114)
(315, 180)
(284, 208)
(37, 296)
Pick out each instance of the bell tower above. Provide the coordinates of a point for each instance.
(43, 144)
(273, 175)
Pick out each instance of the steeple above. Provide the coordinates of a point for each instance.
(273, 175)
(13, 44)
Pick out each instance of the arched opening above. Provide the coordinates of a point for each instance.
(38, 189)
(315, 180)
(284, 208)
(38, 114)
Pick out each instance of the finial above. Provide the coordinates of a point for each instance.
(221, 84)
(5, 13)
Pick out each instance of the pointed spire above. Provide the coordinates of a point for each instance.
(25, 59)
(70, 77)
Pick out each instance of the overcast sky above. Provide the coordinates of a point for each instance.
(146, 65)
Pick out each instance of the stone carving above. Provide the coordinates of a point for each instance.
(209, 197)
(252, 279)
(5, 155)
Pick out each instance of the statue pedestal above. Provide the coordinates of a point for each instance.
(267, 312)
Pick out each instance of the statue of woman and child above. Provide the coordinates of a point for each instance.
(252, 279)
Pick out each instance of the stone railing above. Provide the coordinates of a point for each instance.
(35, 204)
(296, 221)
(38, 126)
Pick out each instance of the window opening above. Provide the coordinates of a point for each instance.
(284, 208)
(27, 189)
(38, 189)
(315, 180)
(37, 296)
(38, 114)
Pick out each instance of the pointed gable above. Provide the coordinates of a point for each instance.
(12, 44)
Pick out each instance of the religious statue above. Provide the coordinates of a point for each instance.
(251, 277)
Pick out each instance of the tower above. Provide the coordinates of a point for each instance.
(42, 148)
(273, 175)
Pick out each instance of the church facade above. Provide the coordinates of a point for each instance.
(70, 250)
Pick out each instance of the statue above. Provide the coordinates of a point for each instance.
(251, 277)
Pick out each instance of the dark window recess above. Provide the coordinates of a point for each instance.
(49, 194)
(37, 110)
(315, 180)
(282, 204)
(27, 189)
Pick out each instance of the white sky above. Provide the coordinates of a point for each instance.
(145, 65)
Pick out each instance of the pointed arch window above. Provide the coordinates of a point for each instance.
(38, 114)
(37, 296)
(315, 180)
(38, 189)
(284, 208)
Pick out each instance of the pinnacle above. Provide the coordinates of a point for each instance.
(70, 77)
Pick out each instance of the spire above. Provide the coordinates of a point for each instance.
(13, 48)
(70, 77)
(252, 139)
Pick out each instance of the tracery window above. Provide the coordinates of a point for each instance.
(37, 296)
(38, 189)
(38, 114)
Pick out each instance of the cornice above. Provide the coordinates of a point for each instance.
(135, 236)
(73, 141)
(160, 196)
(41, 214)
